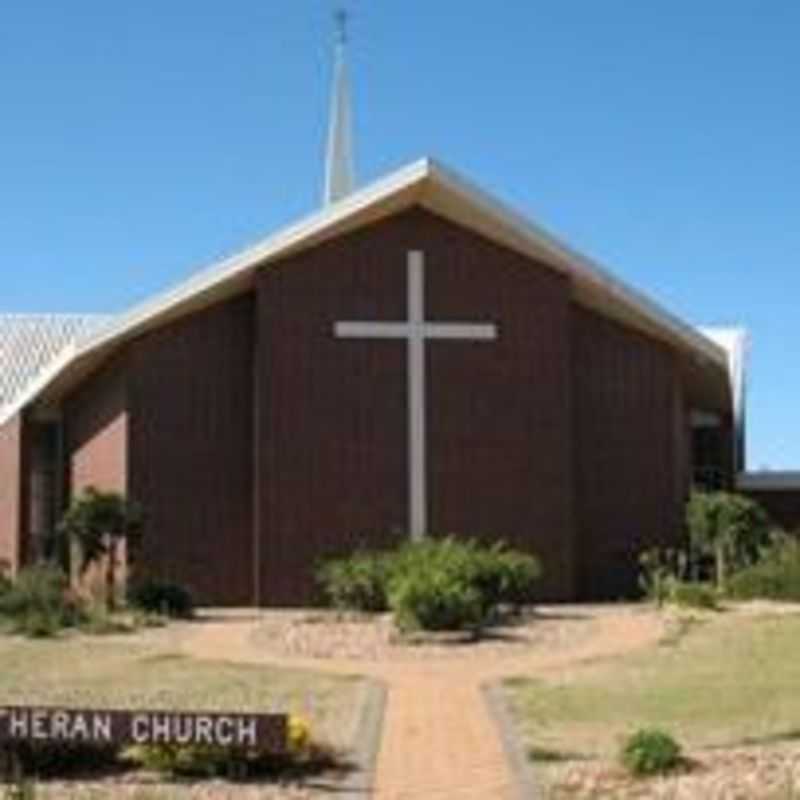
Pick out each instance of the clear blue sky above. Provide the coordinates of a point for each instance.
(139, 141)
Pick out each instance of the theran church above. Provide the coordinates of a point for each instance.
(415, 358)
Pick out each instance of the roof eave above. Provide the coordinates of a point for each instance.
(224, 279)
(424, 182)
(595, 285)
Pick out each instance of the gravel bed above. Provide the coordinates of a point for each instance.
(330, 634)
(744, 773)
(143, 789)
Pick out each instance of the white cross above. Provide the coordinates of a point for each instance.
(415, 330)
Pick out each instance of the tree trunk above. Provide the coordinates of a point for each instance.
(719, 556)
(111, 577)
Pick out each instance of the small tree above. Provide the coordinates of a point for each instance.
(729, 528)
(98, 522)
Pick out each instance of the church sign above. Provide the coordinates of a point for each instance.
(266, 732)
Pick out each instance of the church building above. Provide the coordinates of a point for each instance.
(414, 358)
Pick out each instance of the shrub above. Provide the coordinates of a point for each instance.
(729, 528)
(501, 576)
(37, 624)
(206, 761)
(357, 583)
(444, 584)
(99, 622)
(434, 584)
(435, 600)
(161, 597)
(693, 595)
(5, 579)
(20, 787)
(775, 577)
(49, 759)
(98, 522)
(659, 570)
(650, 751)
(189, 760)
(40, 603)
(519, 574)
(148, 619)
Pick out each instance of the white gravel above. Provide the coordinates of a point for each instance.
(744, 773)
(334, 635)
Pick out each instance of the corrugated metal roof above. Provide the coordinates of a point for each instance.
(29, 343)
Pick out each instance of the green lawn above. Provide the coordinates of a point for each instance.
(726, 681)
(145, 670)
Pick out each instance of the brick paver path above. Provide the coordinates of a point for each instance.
(439, 740)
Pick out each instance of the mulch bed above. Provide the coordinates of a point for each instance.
(142, 789)
(743, 773)
(331, 634)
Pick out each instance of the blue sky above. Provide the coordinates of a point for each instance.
(139, 141)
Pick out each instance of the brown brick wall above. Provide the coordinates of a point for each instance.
(191, 450)
(11, 492)
(96, 431)
(783, 506)
(499, 420)
(332, 420)
(258, 443)
(629, 451)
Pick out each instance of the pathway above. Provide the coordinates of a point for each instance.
(439, 740)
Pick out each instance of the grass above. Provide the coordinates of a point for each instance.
(146, 670)
(724, 682)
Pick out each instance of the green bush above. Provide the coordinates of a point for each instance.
(208, 761)
(39, 602)
(650, 751)
(37, 624)
(448, 584)
(212, 761)
(659, 570)
(775, 577)
(509, 577)
(434, 584)
(5, 580)
(729, 529)
(20, 787)
(692, 595)
(161, 597)
(98, 622)
(195, 761)
(148, 619)
(435, 600)
(357, 583)
(63, 759)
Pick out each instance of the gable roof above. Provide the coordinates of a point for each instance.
(424, 183)
(30, 343)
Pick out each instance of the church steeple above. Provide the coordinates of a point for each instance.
(339, 169)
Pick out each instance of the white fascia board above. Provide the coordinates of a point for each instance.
(399, 188)
(768, 481)
(736, 344)
(61, 362)
(263, 252)
(580, 266)
(131, 322)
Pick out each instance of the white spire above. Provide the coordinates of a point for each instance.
(339, 172)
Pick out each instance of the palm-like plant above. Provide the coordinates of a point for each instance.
(98, 522)
(729, 528)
